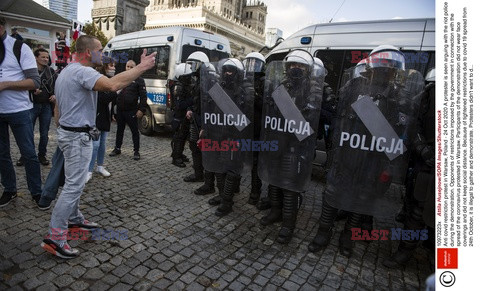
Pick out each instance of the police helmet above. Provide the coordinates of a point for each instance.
(318, 68)
(182, 70)
(386, 56)
(298, 64)
(196, 59)
(430, 76)
(232, 69)
(254, 62)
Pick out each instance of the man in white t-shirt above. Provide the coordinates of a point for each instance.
(76, 92)
(18, 74)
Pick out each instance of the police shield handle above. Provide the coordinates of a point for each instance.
(379, 127)
(290, 112)
(228, 107)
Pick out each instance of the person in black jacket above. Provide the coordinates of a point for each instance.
(43, 103)
(102, 122)
(131, 105)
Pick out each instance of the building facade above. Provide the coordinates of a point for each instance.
(65, 8)
(37, 25)
(115, 17)
(242, 22)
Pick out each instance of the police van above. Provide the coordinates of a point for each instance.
(173, 45)
(342, 45)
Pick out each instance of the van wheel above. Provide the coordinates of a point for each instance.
(145, 124)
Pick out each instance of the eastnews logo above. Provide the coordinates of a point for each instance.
(410, 58)
(383, 234)
(245, 145)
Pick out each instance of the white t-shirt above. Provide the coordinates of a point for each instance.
(12, 101)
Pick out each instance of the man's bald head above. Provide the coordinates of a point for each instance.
(85, 42)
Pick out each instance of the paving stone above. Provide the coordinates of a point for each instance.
(32, 283)
(175, 241)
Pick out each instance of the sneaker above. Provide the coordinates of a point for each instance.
(43, 160)
(136, 156)
(89, 177)
(115, 152)
(20, 162)
(44, 205)
(63, 251)
(103, 171)
(36, 198)
(7, 197)
(86, 225)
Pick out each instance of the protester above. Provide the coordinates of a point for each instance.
(43, 102)
(18, 75)
(77, 102)
(131, 104)
(104, 116)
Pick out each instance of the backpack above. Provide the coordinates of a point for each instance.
(17, 51)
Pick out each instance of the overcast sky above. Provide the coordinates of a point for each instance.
(293, 15)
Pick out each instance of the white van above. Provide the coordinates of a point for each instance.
(173, 45)
(342, 45)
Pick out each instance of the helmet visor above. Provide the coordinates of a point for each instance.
(387, 59)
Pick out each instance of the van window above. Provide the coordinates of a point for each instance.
(337, 61)
(213, 55)
(160, 70)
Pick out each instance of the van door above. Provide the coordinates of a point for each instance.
(157, 115)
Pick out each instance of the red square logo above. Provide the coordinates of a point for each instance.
(447, 258)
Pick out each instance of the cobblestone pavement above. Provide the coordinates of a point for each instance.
(176, 242)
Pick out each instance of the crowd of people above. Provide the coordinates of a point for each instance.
(239, 118)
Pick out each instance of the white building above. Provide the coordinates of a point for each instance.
(115, 17)
(35, 23)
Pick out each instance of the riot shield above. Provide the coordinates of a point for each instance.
(227, 117)
(290, 117)
(371, 140)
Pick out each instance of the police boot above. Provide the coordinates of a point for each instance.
(227, 196)
(220, 185)
(256, 188)
(177, 153)
(236, 189)
(346, 244)
(402, 255)
(276, 199)
(197, 176)
(367, 222)
(325, 227)
(291, 203)
(208, 187)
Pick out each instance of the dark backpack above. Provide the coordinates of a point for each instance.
(17, 51)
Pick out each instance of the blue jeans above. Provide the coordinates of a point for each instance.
(42, 111)
(98, 152)
(21, 125)
(77, 151)
(55, 178)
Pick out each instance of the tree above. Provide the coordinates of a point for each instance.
(92, 29)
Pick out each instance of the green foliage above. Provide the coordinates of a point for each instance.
(92, 29)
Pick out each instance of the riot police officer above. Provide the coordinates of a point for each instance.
(182, 99)
(227, 115)
(255, 67)
(195, 60)
(374, 110)
(421, 208)
(291, 112)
